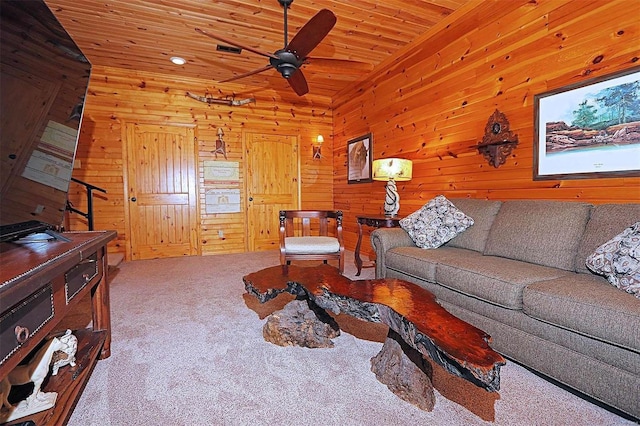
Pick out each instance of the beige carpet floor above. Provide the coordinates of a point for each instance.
(188, 350)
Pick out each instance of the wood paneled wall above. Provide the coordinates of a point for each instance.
(117, 96)
(432, 102)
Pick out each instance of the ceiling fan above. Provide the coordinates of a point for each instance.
(288, 60)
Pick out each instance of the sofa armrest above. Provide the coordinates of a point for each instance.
(384, 239)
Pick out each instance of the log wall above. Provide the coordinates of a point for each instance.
(118, 96)
(431, 102)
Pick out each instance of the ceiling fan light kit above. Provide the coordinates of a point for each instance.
(288, 60)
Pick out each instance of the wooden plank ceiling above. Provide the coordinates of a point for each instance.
(144, 34)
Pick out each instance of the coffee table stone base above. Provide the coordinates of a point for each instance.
(405, 372)
(301, 323)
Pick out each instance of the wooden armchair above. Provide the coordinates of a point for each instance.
(304, 235)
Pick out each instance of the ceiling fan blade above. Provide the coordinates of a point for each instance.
(312, 33)
(246, 74)
(235, 43)
(298, 83)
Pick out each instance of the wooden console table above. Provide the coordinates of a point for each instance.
(40, 282)
(376, 222)
(408, 309)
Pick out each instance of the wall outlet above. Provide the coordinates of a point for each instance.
(221, 234)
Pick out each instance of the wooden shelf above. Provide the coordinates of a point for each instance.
(70, 381)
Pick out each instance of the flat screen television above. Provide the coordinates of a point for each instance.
(44, 83)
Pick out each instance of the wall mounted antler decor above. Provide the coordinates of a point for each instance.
(498, 140)
(220, 101)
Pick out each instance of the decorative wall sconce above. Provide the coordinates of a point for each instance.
(498, 140)
(392, 170)
(221, 147)
(317, 147)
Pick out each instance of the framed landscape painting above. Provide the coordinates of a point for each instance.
(589, 130)
(359, 160)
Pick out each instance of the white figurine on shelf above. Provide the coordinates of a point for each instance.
(66, 355)
(35, 371)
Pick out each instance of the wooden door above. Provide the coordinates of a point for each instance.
(161, 186)
(272, 180)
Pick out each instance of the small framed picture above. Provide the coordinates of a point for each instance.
(359, 159)
(590, 129)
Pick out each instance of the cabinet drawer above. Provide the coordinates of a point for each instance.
(80, 275)
(21, 322)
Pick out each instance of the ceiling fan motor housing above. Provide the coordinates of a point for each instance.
(286, 63)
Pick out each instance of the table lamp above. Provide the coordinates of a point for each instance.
(392, 170)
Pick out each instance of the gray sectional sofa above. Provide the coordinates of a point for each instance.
(519, 274)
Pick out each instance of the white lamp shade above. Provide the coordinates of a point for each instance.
(398, 169)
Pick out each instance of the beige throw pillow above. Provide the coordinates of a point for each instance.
(619, 260)
(435, 223)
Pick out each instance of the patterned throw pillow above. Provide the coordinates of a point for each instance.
(619, 260)
(435, 223)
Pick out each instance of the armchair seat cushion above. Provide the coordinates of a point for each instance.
(311, 245)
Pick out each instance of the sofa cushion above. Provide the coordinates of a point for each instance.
(619, 260)
(542, 232)
(587, 304)
(435, 223)
(483, 213)
(493, 279)
(606, 221)
(422, 263)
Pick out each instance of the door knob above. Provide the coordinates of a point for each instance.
(250, 198)
(134, 199)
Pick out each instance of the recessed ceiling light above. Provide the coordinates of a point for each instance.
(178, 60)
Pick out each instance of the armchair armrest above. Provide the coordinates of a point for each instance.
(384, 239)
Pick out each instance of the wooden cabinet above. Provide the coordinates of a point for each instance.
(40, 283)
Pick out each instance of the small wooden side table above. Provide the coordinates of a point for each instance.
(375, 222)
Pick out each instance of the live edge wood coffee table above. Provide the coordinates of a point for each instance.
(409, 310)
